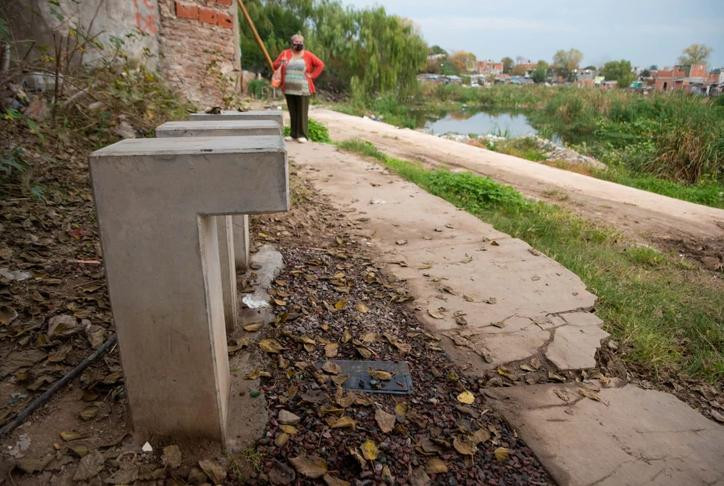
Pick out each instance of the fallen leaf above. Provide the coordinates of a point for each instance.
(62, 325)
(346, 336)
(288, 418)
(310, 466)
(480, 436)
(331, 368)
(401, 409)
(331, 350)
(89, 413)
(502, 453)
(171, 456)
(435, 465)
(89, 466)
(419, 477)
(435, 314)
(466, 397)
(361, 308)
(280, 473)
(270, 346)
(253, 327)
(289, 429)
(333, 481)
(68, 436)
(464, 446)
(343, 422)
(340, 304)
(281, 439)
(369, 450)
(385, 421)
(215, 472)
(7, 315)
(381, 375)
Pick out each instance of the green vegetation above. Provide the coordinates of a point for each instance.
(317, 132)
(366, 51)
(524, 147)
(619, 71)
(126, 97)
(672, 144)
(666, 315)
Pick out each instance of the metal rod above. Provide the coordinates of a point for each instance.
(39, 401)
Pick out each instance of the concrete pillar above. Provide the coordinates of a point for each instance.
(241, 241)
(236, 252)
(274, 115)
(218, 128)
(155, 201)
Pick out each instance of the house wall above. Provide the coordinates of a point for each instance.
(136, 22)
(199, 40)
(194, 44)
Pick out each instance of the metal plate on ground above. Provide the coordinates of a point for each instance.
(359, 379)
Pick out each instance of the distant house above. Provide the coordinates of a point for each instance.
(490, 67)
(691, 79)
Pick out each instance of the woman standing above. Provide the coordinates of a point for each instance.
(300, 69)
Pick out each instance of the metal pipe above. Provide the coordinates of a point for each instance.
(72, 374)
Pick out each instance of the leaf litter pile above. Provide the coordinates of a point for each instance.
(333, 302)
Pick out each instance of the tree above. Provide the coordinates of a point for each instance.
(464, 61)
(620, 71)
(566, 63)
(507, 65)
(366, 51)
(695, 54)
(437, 50)
(541, 72)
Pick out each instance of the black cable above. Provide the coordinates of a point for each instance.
(39, 401)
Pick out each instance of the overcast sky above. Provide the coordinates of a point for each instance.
(643, 31)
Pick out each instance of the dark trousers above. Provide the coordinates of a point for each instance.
(299, 114)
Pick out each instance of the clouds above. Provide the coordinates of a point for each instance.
(644, 31)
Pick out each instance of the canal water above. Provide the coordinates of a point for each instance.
(507, 125)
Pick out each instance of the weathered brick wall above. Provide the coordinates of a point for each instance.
(199, 46)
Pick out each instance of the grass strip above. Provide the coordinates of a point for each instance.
(666, 314)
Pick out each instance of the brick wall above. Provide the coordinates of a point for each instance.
(199, 46)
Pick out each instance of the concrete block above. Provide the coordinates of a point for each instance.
(218, 128)
(274, 115)
(156, 200)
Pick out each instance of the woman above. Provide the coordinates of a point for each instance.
(299, 70)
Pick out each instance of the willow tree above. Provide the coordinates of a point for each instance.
(367, 52)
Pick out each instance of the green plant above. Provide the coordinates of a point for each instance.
(318, 132)
(259, 88)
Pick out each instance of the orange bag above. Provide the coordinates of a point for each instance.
(276, 80)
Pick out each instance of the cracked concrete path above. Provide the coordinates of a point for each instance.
(641, 214)
(630, 437)
(516, 303)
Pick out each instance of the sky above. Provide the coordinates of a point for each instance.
(645, 32)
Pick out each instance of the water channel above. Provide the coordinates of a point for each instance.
(509, 125)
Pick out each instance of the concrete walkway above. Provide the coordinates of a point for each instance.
(494, 300)
(639, 213)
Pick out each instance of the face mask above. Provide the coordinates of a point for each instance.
(297, 47)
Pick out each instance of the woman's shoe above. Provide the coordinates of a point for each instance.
(288, 139)
(302, 140)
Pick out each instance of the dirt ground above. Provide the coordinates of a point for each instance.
(689, 229)
(331, 301)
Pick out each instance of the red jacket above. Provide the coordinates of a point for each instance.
(315, 66)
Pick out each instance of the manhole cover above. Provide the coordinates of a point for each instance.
(359, 379)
